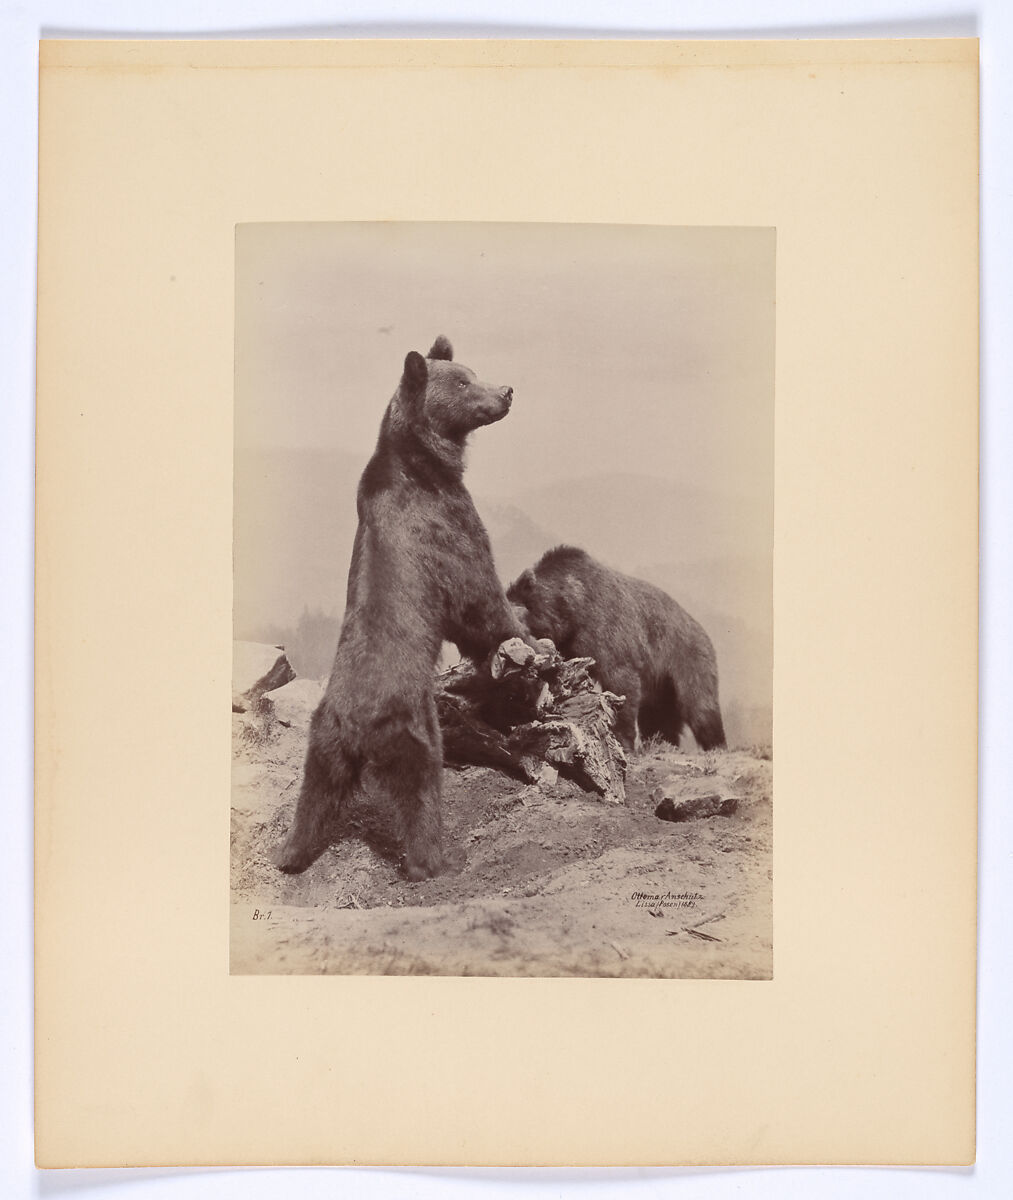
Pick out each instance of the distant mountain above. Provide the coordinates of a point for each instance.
(626, 519)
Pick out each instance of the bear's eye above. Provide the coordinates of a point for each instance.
(462, 383)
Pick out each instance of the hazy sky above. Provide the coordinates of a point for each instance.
(632, 349)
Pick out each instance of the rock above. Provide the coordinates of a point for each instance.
(548, 775)
(294, 703)
(711, 805)
(257, 668)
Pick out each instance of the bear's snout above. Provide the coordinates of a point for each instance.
(496, 406)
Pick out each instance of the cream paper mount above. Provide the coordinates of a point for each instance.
(862, 156)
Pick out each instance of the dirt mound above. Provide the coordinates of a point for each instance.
(550, 880)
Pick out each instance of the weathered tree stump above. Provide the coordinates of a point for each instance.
(531, 713)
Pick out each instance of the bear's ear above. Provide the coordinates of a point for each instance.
(441, 349)
(416, 373)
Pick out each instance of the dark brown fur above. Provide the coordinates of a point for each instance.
(645, 646)
(421, 573)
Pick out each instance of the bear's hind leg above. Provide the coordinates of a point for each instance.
(412, 778)
(328, 776)
(423, 826)
(708, 729)
(408, 765)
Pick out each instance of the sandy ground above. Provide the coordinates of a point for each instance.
(552, 881)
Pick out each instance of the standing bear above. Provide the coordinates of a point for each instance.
(421, 572)
(645, 646)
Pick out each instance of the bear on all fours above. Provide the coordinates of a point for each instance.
(646, 647)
